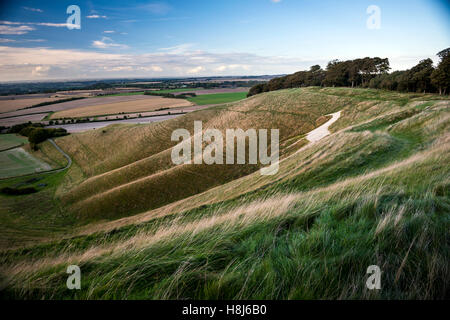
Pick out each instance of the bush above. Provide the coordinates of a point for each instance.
(15, 191)
(38, 135)
(26, 131)
(18, 127)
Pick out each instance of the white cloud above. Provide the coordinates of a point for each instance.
(109, 31)
(15, 30)
(160, 8)
(195, 70)
(50, 24)
(21, 63)
(34, 40)
(40, 71)
(96, 16)
(3, 40)
(232, 67)
(221, 68)
(181, 48)
(275, 1)
(106, 43)
(152, 68)
(33, 9)
(25, 26)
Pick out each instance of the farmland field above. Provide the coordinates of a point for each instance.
(18, 162)
(10, 121)
(152, 103)
(74, 104)
(218, 98)
(8, 141)
(15, 104)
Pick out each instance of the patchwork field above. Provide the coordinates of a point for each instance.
(151, 103)
(16, 162)
(75, 104)
(8, 141)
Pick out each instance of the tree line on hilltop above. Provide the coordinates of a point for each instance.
(369, 73)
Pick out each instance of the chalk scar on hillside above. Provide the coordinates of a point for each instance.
(322, 131)
(317, 134)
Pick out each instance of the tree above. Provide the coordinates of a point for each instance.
(337, 73)
(420, 76)
(259, 88)
(441, 75)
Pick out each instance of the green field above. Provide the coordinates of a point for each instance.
(217, 98)
(8, 141)
(16, 162)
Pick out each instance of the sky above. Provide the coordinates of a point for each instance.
(191, 38)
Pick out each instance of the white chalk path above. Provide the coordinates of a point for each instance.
(313, 136)
(323, 131)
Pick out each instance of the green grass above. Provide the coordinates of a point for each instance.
(374, 193)
(16, 162)
(39, 214)
(218, 98)
(8, 141)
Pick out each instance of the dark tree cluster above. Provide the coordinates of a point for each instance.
(171, 95)
(314, 77)
(18, 127)
(369, 73)
(36, 133)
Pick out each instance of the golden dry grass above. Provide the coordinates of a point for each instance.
(150, 104)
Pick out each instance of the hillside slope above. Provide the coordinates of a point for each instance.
(375, 192)
(129, 168)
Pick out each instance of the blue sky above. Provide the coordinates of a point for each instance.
(203, 38)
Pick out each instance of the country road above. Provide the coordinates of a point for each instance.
(69, 160)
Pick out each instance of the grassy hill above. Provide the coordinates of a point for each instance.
(375, 192)
(129, 168)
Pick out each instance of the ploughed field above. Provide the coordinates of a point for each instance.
(12, 104)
